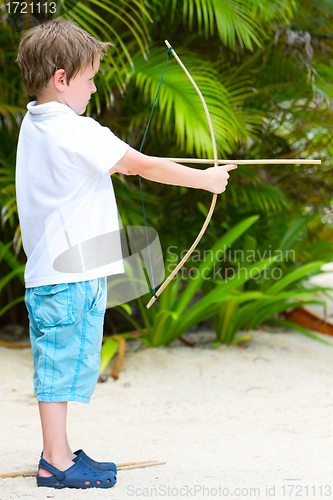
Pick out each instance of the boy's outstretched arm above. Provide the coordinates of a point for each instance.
(213, 179)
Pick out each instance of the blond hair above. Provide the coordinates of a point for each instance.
(56, 44)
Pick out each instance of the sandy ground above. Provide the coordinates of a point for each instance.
(232, 422)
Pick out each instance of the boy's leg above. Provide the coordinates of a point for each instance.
(62, 369)
(56, 449)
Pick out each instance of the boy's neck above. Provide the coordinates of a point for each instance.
(49, 94)
(44, 99)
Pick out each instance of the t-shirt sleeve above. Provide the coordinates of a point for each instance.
(96, 147)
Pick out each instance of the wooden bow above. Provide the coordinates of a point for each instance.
(213, 203)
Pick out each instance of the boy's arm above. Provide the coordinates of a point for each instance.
(212, 179)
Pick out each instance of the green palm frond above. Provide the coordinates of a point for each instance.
(242, 21)
(115, 22)
(260, 197)
(179, 103)
(125, 25)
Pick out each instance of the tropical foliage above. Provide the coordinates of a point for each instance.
(264, 69)
(243, 288)
(244, 284)
(283, 285)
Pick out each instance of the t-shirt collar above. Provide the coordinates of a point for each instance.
(49, 108)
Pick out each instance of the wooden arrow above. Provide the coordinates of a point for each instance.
(244, 162)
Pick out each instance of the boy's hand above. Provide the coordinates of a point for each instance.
(216, 178)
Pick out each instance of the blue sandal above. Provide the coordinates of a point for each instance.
(75, 476)
(92, 463)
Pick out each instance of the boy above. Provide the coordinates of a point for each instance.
(65, 198)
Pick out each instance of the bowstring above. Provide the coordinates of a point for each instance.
(153, 289)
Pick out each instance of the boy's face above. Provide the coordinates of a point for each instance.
(77, 94)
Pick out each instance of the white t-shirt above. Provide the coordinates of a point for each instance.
(66, 203)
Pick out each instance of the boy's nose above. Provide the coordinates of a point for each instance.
(94, 89)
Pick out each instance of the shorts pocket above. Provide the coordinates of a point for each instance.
(98, 304)
(53, 305)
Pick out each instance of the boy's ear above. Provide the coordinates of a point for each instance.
(60, 80)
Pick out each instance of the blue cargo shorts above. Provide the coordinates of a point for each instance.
(66, 331)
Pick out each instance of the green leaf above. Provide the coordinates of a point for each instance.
(294, 275)
(292, 233)
(275, 307)
(161, 326)
(109, 349)
(212, 257)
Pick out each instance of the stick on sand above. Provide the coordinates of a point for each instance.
(128, 466)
